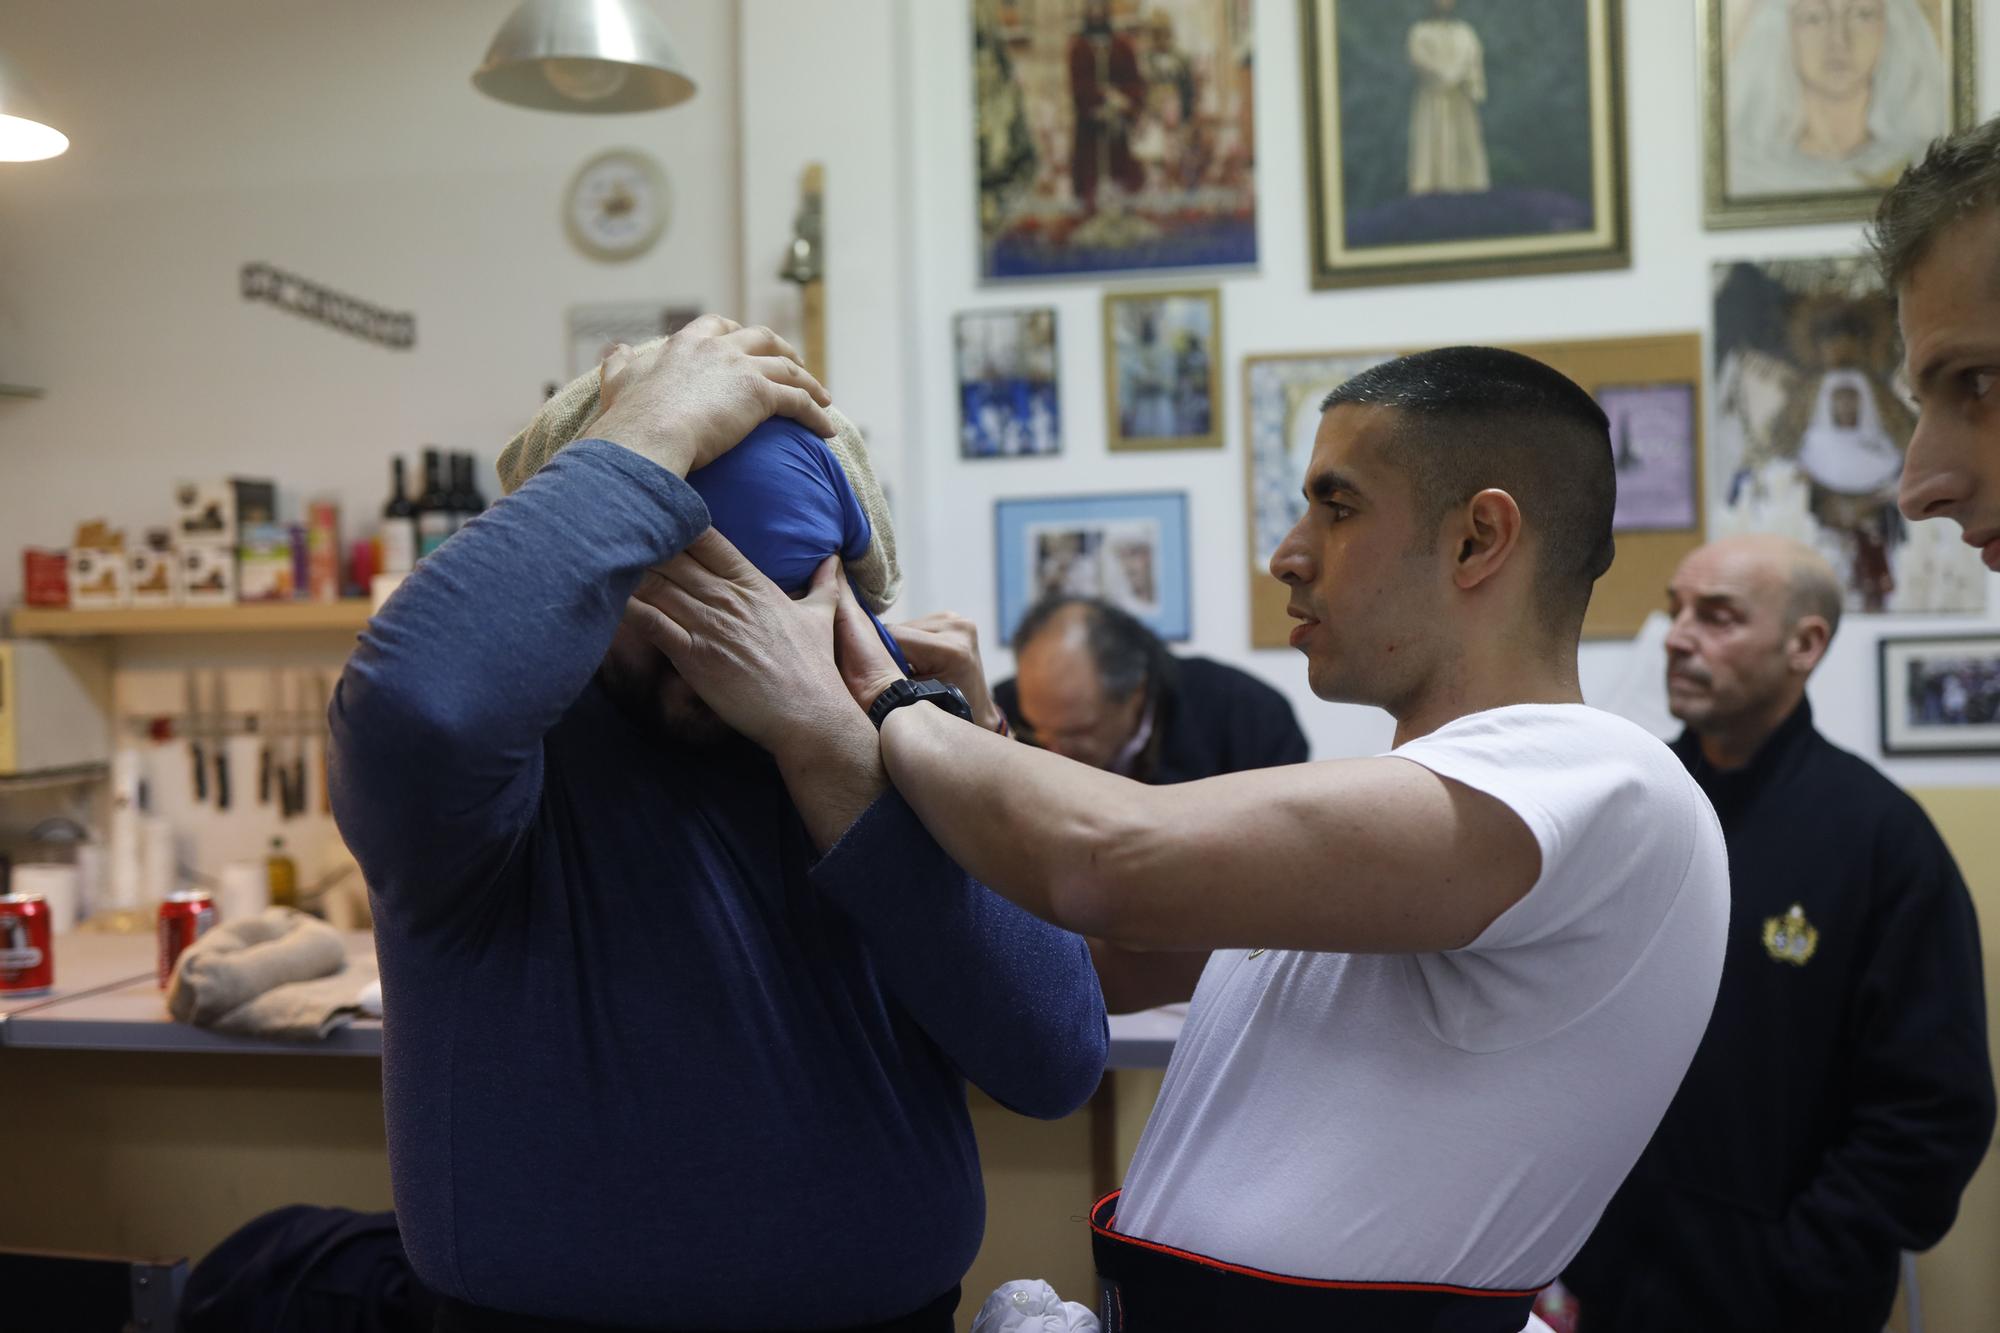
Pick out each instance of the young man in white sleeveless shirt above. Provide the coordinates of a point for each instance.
(1455, 986)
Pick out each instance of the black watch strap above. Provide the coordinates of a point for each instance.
(903, 692)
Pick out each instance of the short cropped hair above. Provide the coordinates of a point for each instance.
(1478, 417)
(1129, 657)
(1958, 177)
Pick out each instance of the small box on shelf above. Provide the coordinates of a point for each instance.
(45, 578)
(98, 577)
(208, 574)
(155, 572)
(265, 571)
(220, 510)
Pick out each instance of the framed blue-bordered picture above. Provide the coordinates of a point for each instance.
(1008, 403)
(1131, 550)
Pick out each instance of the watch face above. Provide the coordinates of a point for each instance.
(617, 205)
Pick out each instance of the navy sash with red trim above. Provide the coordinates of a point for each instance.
(1145, 1287)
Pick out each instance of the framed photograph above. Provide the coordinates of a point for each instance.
(1131, 550)
(1811, 108)
(1653, 442)
(1113, 138)
(595, 329)
(1455, 139)
(1654, 381)
(1809, 432)
(1281, 398)
(1007, 402)
(1941, 695)
(1163, 370)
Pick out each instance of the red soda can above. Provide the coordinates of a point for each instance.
(27, 953)
(184, 918)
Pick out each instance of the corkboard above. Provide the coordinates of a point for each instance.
(1636, 582)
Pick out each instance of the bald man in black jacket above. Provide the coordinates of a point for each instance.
(1843, 1095)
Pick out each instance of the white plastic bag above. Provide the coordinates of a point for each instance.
(1032, 1307)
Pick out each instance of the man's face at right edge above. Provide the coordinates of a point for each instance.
(1949, 306)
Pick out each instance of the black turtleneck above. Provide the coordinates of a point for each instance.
(1842, 1097)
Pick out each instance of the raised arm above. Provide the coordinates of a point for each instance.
(438, 718)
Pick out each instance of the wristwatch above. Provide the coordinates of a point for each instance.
(903, 692)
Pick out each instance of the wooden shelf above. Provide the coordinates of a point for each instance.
(74, 776)
(249, 618)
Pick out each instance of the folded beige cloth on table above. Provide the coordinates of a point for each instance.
(277, 974)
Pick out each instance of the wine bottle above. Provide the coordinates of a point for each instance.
(436, 518)
(399, 527)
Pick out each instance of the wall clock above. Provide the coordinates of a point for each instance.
(616, 205)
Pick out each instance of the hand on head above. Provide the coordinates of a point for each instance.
(689, 400)
(762, 661)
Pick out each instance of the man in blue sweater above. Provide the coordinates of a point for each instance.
(679, 1021)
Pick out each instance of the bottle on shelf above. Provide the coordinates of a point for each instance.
(436, 517)
(281, 876)
(399, 526)
(475, 502)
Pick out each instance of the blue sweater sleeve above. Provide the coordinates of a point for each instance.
(438, 719)
(1011, 1000)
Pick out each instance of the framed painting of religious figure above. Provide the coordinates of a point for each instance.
(1810, 432)
(1113, 137)
(1812, 108)
(1463, 138)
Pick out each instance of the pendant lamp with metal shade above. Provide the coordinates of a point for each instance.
(591, 56)
(25, 132)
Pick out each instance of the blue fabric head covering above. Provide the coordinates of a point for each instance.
(781, 498)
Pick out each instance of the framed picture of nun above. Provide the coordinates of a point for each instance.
(1812, 108)
(1455, 139)
(1810, 433)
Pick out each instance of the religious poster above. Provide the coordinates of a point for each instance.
(1810, 433)
(1163, 370)
(1007, 403)
(1112, 136)
(1814, 107)
(1652, 444)
(1463, 138)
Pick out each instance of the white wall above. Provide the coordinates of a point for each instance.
(817, 86)
(343, 142)
(1275, 310)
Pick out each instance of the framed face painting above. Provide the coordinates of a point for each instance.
(1810, 432)
(1163, 370)
(1941, 695)
(1111, 138)
(1130, 550)
(1007, 401)
(1463, 138)
(1812, 108)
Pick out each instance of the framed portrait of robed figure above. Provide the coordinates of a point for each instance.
(1113, 137)
(1812, 108)
(1463, 138)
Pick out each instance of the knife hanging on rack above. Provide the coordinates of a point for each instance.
(191, 729)
(221, 734)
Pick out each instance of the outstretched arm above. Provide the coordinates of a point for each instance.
(1368, 855)
(1365, 855)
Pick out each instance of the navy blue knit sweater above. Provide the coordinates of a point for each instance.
(649, 1061)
